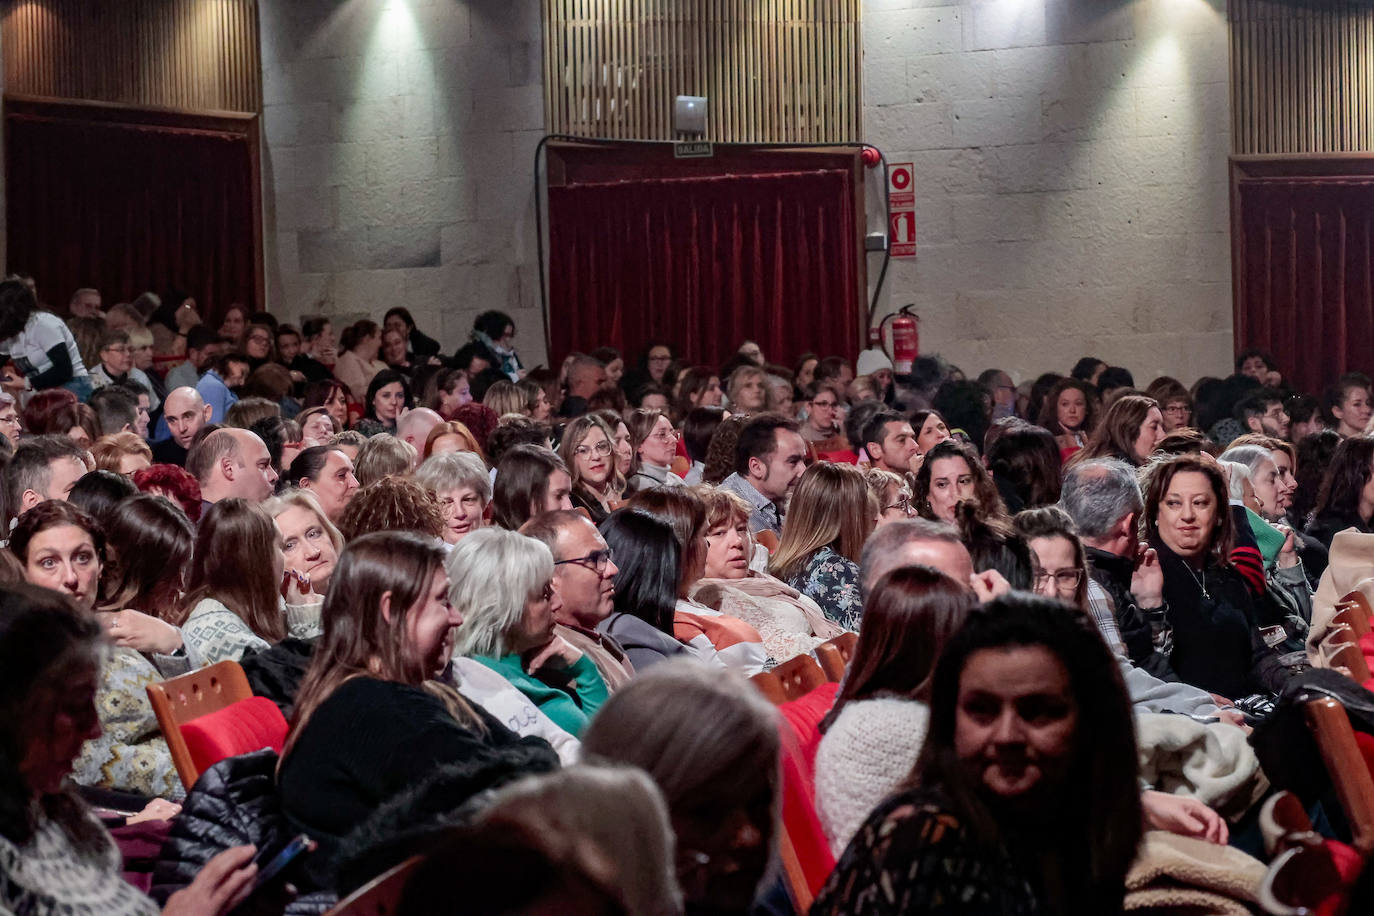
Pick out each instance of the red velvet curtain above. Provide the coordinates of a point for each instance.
(128, 207)
(1305, 274)
(707, 262)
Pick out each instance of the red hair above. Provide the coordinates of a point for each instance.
(177, 483)
(480, 421)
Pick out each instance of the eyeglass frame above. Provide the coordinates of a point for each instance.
(599, 560)
(1040, 577)
(602, 449)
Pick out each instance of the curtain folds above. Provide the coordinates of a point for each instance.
(130, 207)
(707, 262)
(1305, 274)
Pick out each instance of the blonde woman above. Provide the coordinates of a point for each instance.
(748, 391)
(588, 449)
(891, 494)
(831, 515)
(123, 453)
(504, 397)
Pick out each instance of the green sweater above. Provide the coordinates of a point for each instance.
(570, 707)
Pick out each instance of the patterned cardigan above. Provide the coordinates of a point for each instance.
(215, 632)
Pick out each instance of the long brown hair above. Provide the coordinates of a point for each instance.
(1115, 438)
(910, 614)
(990, 509)
(234, 558)
(685, 512)
(830, 507)
(150, 545)
(359, 640)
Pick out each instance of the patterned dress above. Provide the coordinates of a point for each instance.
(832, 581)
(913, 856)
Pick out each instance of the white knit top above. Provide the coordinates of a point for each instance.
(867, 752)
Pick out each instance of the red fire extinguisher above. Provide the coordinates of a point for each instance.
(906, 338)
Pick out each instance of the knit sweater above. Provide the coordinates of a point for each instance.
(571, 704)
(50, 875)
(130, 755)
(217, 633)
(864, 756)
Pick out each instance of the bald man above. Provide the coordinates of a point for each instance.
(232, 463)
(185, 413)
(415, 427)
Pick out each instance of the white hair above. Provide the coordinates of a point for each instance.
(453, 471)
(492, 574)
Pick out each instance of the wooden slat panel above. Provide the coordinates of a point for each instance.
(774, 70)
(1302, 76)
(194, 55)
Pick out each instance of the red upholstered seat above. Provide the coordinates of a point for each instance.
(841, 457)
(800, 721)
(248, 725)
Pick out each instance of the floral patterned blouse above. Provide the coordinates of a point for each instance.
(913, 856)
(832, 581)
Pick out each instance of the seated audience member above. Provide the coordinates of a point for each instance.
(238, 597)
(392, 504)
(699, 386)
(217, 385)
(711, 745)
(655, 445)
(504, 398)
(1025, 466)
(1130, 431)
(1348, 405)
(615, 363)
(1259, 366)
(58, 857)
(720, 453)
(417, 343)
(830, 517)
(310, 544)
(62, 548)
(931, 430)
(1344, 500)
(1263, 413)
(875, 730)
(1216, 639)
(186, 412)
(460, 486)
(332, 396)
(148, 549)
(318, 352)
(123, 453)
(1313, 459)
(10, 424)
(383, 455)
(117, 364)
(747, 391)
(388, 396)
(653, 397)
(38, 410)
(1069, 412)
(649, 558)
(174, 483)
(824, 409)
(513, 431)
(586, 376)
(288, 342)
(890, 442)
(891, 494)
(588, 452)
(950, 476)
(698, 427)
(358, 364)
(1305, 417)
(415, 426)
(530, 479)
(1175, 403)
(99, 491)
(75, 421)
(501, 585)
(964, 406)
(39, 347)
(203, 347)
(789, 622)
(976, 828)
(317, 426)
(327, 474)
(116, 410)
(584, 577)
(716, 637)
(770, 457)
(450, 436)
(234, 324)
(1001, 390)
(494, 331)
(370, 691)
(43, 468)
(623, 448)
(232, 463)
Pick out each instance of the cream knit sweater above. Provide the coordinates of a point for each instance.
(868, 751)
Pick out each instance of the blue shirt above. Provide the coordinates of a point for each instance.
(217, 394)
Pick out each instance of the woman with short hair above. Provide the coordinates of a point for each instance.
(830, 515)
(388, 396)
(123, 453)
(748, 391)
(382, 456)
(462, 488)
(501, 583)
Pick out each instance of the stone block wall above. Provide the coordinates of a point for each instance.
(1070, 175)
(398, 158)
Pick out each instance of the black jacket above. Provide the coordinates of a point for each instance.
(1114, 573)
(1323, 527)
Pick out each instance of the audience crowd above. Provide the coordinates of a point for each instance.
(508, 614)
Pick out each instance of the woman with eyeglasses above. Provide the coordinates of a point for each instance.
(1058, 563)
(588, 450)
(892, 494)
(501, 582)
(655, 444)
(824, 414)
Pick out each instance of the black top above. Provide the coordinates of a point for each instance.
(167, 451)
(311, 368)
(1323, 527)
(372, 739)
(1114, 574)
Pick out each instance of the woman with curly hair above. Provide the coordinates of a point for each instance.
(1069, 411)
(392, 504)
(952, 474)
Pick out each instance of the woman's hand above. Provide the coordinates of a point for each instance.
(1184, 816)
(221, 885)
(296, 588)
(558, 654)
(159, 809)
(1288, 553)
(140, 632)
(1147, 582)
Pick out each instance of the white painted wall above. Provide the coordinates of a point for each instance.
(397, 158)
(1070, 176)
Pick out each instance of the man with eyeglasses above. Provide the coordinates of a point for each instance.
(1000, 388)
(1263, 413)
(584, 578)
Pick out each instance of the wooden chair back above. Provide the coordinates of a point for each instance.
(834, 655)
(768, 539)
(1354, 610)
(1345, 765)
(1349, 657)
(379, 897)
(1299, 880)
(184, 698)
(794, 678)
